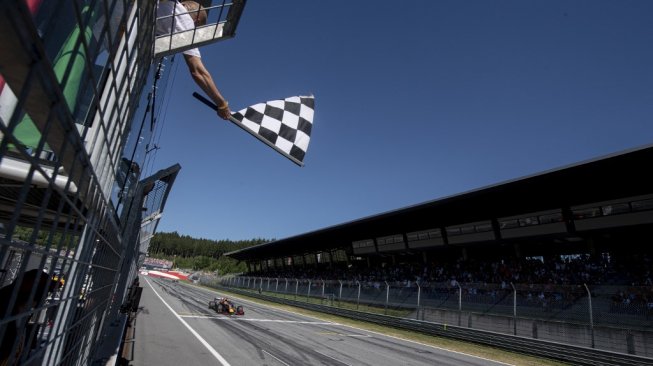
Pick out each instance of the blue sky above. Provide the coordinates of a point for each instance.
(415, 101)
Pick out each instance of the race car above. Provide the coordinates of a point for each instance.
(223, 305)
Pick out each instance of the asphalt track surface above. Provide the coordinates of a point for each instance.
(175, 327)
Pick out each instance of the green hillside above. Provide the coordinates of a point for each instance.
(199, 254)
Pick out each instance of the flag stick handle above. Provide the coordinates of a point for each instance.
(212, 105)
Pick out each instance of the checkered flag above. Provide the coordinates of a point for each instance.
(284, 125)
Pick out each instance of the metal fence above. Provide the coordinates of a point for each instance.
(76, 213)
(613, 318)
(72, 76)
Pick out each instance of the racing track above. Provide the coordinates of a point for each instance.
(175, 327)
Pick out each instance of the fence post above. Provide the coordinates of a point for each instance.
(514, 309)
(340, 293)
(358, 299)
(589, 302)
(419, 293)
(308, 293)
(286, 290)
(387, 297)
(460, 303)
(296, 287)
(323, 284)
(268, 284)
(276, 286)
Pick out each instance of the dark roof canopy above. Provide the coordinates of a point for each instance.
(625, 174)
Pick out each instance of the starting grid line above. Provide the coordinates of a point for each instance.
(254, 320)
(198, 316)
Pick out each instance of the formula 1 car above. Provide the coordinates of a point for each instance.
(223, 305)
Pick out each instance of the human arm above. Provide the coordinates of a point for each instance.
(203, 79)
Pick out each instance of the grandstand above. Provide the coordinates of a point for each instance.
(154, 263)
(560, 255)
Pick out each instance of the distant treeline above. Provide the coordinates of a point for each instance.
(199, 254)
(45, 237)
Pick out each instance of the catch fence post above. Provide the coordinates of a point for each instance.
(460, 303)
(387, 297)
(358, 299)
(340, 293)
(514, 309)
(419, 293)
(589, 302)
(308, 293)
(296, 287)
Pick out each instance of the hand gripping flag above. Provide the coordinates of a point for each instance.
(284, 125)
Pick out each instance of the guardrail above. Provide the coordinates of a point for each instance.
(552, 350)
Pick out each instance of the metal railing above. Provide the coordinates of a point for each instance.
(222, 18)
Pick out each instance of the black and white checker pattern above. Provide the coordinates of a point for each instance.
(286, 123)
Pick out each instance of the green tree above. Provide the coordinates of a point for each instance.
(199, 254)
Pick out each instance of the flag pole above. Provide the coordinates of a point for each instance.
(212, 105)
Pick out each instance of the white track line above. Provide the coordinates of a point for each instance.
(255, 320)
(275, 357)
(215, 353)
(333, 358)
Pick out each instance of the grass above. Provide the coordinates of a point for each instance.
(397, 312)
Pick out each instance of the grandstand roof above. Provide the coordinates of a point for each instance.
(623, 174)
